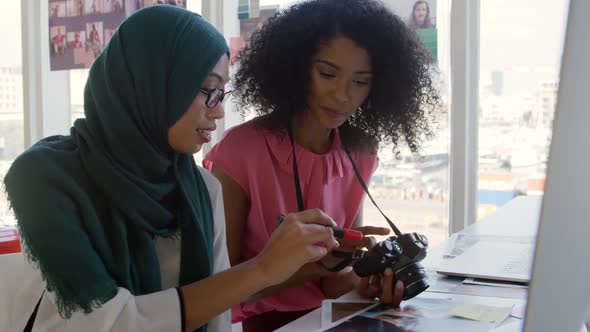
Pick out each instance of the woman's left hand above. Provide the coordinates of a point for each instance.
(335, 284)
(381, 286)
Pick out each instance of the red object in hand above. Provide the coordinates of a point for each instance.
(347, 233)
(340, 233)
(9, 240)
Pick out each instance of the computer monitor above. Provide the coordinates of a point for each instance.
(559, 295)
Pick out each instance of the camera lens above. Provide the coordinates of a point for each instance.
(414, 278)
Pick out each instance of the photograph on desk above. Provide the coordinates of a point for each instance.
(397, 323)
(418, 314)
(335, 311)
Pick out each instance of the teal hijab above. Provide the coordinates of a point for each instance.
(89, 205)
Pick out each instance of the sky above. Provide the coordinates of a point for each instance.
(522, 33)
(10, 32)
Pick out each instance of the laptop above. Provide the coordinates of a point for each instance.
(559, 294)
(506, 257)
(493, 259)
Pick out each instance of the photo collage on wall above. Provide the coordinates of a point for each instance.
(80, 29)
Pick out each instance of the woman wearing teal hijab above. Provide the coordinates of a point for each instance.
(125, 230)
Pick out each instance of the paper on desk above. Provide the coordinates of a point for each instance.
(450, 285)
(493, 283)
(502, 292)
(480, 312)
(518, 311)
(458, 243)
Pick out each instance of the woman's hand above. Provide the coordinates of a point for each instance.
(381, 286)
(294, 243)
(336, 284)
(368, 242)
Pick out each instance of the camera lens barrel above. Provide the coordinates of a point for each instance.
(414, 279)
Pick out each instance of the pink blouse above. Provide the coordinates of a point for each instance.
(260, 162)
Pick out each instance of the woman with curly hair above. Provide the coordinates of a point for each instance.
(329, 79)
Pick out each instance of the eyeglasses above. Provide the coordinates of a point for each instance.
(214, 96)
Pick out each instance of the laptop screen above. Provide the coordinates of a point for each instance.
(559, 295)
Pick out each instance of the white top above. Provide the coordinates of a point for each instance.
(21, 287)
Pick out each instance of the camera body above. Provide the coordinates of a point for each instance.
(402, 254)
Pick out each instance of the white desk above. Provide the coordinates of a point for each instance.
(517, 218)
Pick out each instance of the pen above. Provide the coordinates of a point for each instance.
(340, 233)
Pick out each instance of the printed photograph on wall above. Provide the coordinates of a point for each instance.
(94, 31)
(76, 39)
(75, 7)
(57, 9)
(131, 6)
(57, 41)
(108, 34)
(93, 7)
(112, 6)
(420, 15)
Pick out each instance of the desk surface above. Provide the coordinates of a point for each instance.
(517, 218)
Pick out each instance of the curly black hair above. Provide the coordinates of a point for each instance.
(275, 69)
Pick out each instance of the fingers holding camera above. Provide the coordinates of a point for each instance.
(369, 287)
(373, 230)
(368, 240)
(374, 286)
(391, 294)
(294, 243)
(310, 226)
(382, 286)
(348, 246)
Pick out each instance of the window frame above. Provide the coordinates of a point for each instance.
(463, 156)
(46, 115)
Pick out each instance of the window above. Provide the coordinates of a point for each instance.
(78, 79)
(413, 191)
(11, 113)
(194, 5)
(519, 72)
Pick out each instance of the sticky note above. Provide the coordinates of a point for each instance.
(480, 312)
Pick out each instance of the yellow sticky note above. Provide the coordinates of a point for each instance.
(480, 312)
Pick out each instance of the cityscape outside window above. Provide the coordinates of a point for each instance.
(11, 96)
(519, 73)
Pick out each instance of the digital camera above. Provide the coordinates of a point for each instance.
(401, 253)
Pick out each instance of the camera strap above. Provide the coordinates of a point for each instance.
(299, 194)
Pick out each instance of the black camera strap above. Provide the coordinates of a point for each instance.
(300, 204)
(362, 182)
(31, 321)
